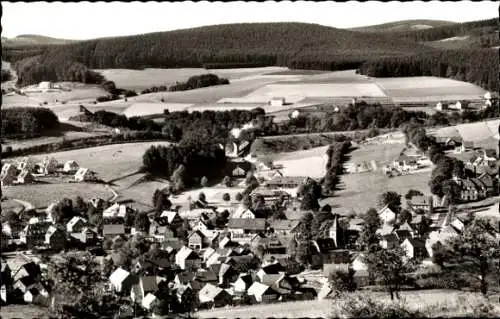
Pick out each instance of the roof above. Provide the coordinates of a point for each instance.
(170, 215)
(73, 222)
(279, 180)
(185, 277)
(266, 192)
(247, 224)
(148, 300)
(284, 224)
(197, 232)
(407, 159)
(184, 253)
(209, 292)
(416, 242)
(258, 289)
(113, 229)
(118, 276)
(325, 244)
(149, 283)
(271, 279)
(238, 213)
(206, 275)
(390, 237)
(421, 200)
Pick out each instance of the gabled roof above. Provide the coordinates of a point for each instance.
(149, 283)
(185, 277)
(170, 215)
(271, 279)
(209, 292)
(325, 244)
(197, 232)
(390, 237)
(185, 253)
(258, 289)
(283, 224)
(206, 275)
(416, 243)
(421, 200)
(73, 221)
(247, 224)
(113, 229)
(118, 276)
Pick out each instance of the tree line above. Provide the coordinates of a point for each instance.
(26, 122)
(462, 65)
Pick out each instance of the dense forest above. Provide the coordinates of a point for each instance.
(26, 122)
(185, 164)
(462, 65)
(294, 45)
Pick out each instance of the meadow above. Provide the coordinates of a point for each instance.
(434, 303)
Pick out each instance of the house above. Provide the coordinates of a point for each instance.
(196, 240)
(241, 169)
(337, 233)
(490, 183)
(146, 284)
(425, 203)
(240, 226)
(277, 101)
(35, 292)
(284, 226)
(85, 236)
(122, 280)
(84, 175)
(116, 211)
(214, 296)
(405, 162)
(76, 224)
(169, 217)
(243, 213)
(184, 278)
(160, 233)
(324, 247)
(387, 215)
(186, 258)
(389, 241)
(480, 187)
(27, 269)
(8, 175)
(285, 182)
(262, 292)
(328, 268)
(55, 238)
(270, 196)
(414, 248)
(26, 164)
(71, 167)
(25, 177)
(226, 273)
(243, 282)
(113, 230)
(33, 235)
(469, 191)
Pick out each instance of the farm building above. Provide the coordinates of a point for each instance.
(26, 164)
(8, 175)
(277, 101)
(45, 85)
(84, 174)
(25, 177)
(440, 106)
(386, 214)
(285, 182)
(71, 167)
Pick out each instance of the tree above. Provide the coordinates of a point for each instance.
(179, 178)
(368, 236)
(226, 197)
(227, 181)
(141, 222)
(309, 202)
(204, 181)
(392, 200)
(439, 253)
(162, 202)
(342, 281)
(202, 197)
(79, 205)
(404, 216)
(303, 254)
(413, 192)
(292, 247)
(476, 251)
(238, 197)
(388, 266)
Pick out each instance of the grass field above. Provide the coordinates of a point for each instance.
(310, 162)
(42, 195)
(141, 79)
(10, 205)
(69, 136)
(109, 161)
(435, 301)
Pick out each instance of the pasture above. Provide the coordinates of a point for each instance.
(68, 136)
(42, 195)
(435, 302)
(310, 162)
(109, 161)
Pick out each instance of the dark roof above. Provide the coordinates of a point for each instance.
(208, 275)
(325, 244)
(247, 224)
(185, 277)
(486, 180)
(273, 268)
(113, 229)
(403, 233)
(390, 237)
(417, 243)
(149, 283)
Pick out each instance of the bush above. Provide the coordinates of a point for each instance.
(365, 307)
(26, 122)
(226, 197)
(239, 197)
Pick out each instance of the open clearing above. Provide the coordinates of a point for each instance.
(310, 162)
(109, 161)
(141, 79)
(328, 308)
(42, 195)
(68, 136)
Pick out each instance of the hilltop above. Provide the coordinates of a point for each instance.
(32, 39)
(404, 25)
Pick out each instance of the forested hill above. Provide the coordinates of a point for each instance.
(480, 27)
(404, 25)
(295, 45)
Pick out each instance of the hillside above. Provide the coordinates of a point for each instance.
(295, 45)
(404, 25)
(32, 39)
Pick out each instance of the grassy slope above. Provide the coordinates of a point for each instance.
(404, 25)
(33, 39)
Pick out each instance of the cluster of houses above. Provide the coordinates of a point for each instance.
(27, 170)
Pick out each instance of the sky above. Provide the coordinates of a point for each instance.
(85, 20)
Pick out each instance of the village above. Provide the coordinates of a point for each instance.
(225, 250)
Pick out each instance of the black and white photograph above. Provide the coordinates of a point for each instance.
(271, 159)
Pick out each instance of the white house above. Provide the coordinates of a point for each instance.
(115, 210)
(277, 101)
(75, 224)
(121, 280)
(414, 248)
(71, 167)
(262, 293)
(386, 214)
(8, 175)
(148, 301)
(25, 177)
(84, 174)
(187, 258)
(243, 212)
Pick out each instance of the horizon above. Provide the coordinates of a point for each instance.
(330, 14)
